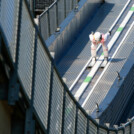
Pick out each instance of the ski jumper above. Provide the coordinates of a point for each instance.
(103, 42)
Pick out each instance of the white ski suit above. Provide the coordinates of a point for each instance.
(94, 44)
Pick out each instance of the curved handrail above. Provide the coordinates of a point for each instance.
(38, 42)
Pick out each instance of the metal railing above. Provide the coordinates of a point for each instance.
(53, 105)
(42, 4)
(53, 16)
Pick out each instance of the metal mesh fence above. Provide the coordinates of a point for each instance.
(112, 132)
(92, 128)
(70, 116)
(42, 83)
(61, 9)
(132, 127)
(53, 19)
(9, 23)
(44, 25)
(74, 119)
(120, 132)
(56, 106)
(69, 6)
(81, 123)
(26, 49)
(127, 130)
(42, 4)
(57, 12)
(102, 131)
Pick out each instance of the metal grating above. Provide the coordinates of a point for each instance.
(26, 50)
(120, 132)
(42, 4)
(53, 19)
(68, 6)
(56, 106)
(92, 128)
(127, 130)
(102, 131)
(9, 23)
(70, 115)
(61, 15)
(42, 86)
(132, 127)
(111, 132)
(42, 83)
(81, 123)
(44, 25)
(110, 75)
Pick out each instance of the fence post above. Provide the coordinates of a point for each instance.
(76, 119)
(48, 18)
(64, 9)
(63, 111)
(87, 130)
(57, 14)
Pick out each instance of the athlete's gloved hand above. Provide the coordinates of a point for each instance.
(109, 32)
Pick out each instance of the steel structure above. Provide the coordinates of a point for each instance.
(51, 18)
(33, 78)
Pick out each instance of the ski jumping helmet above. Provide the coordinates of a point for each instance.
(97, 36)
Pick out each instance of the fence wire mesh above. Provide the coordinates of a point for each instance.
(9, 23)
(26, 50)
(74, 119)
(56, 106)
(42, 83)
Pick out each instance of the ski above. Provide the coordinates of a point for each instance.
(91, 64)
(104, 63)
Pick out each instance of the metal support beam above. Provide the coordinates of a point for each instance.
(17, 121)
(3, 92)
(63, 111)
(13, 91)
(3, 79)
(0, 45)
(87, 129)
(29, 122)
(76, 119)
